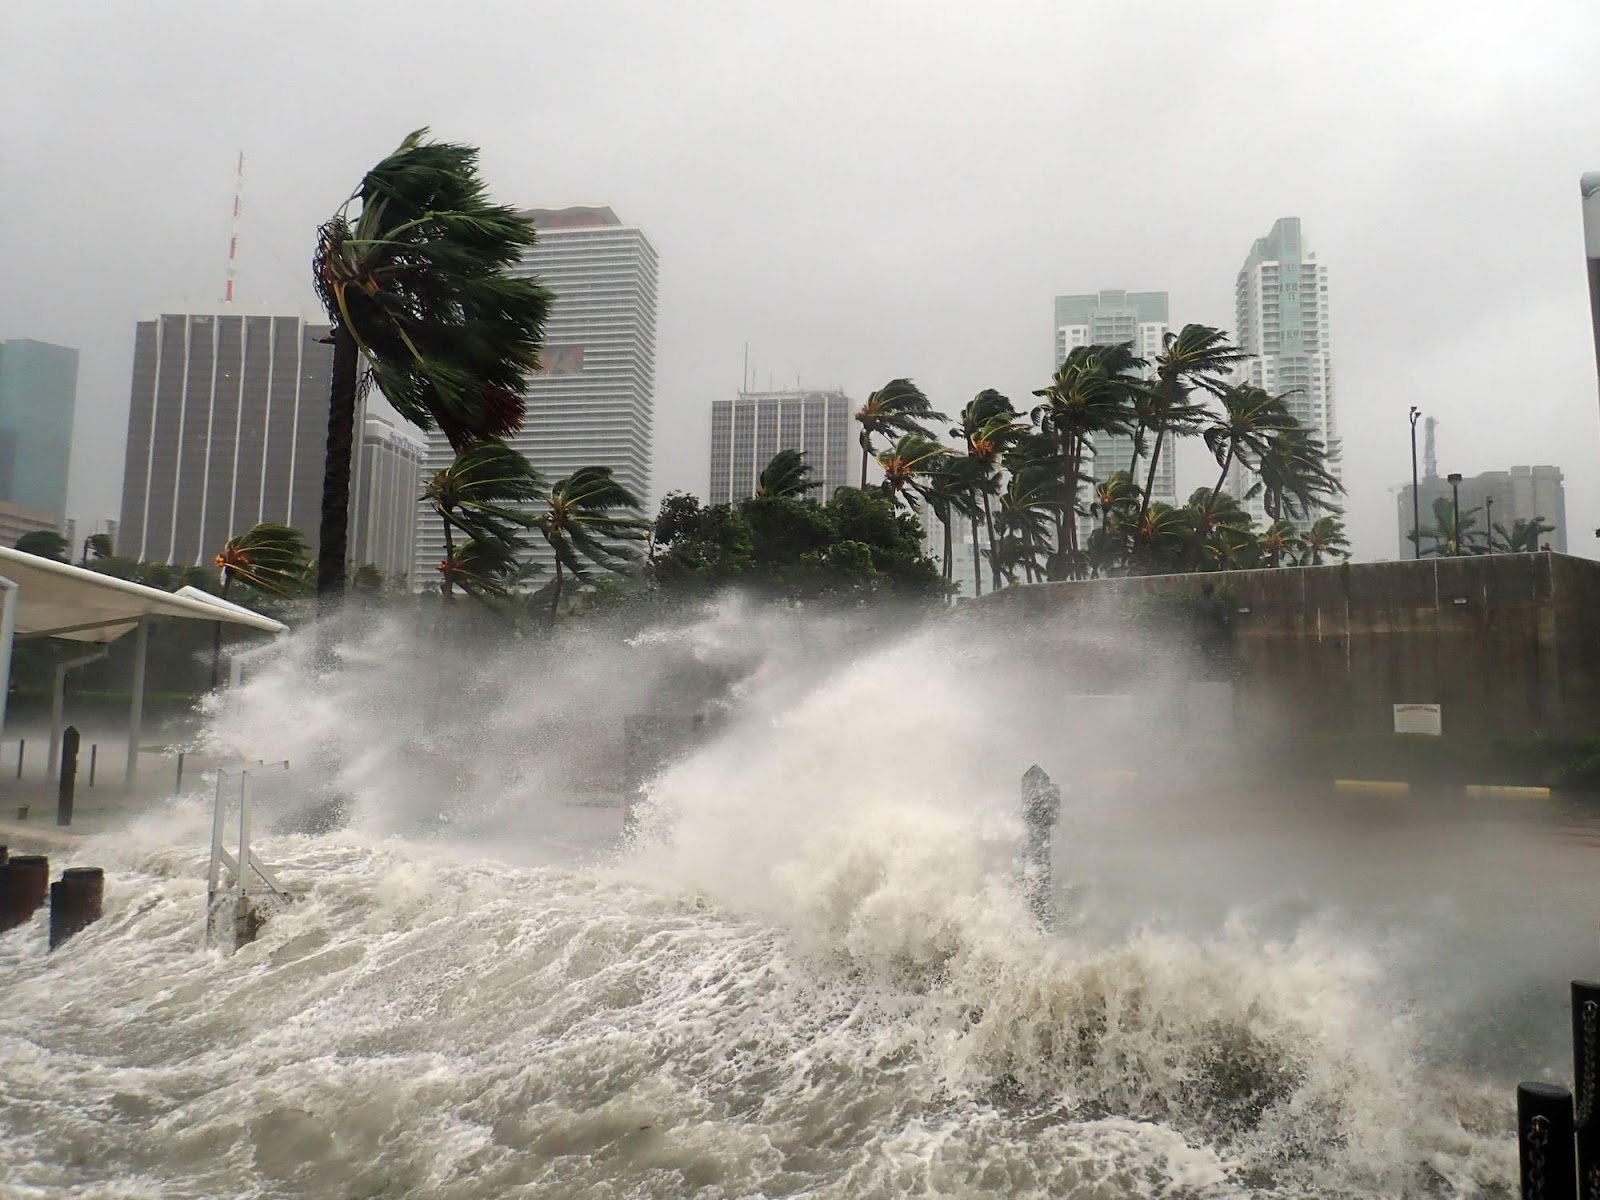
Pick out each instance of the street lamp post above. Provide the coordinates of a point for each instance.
(1455, 505)
(1488, 522)
(1416, 504)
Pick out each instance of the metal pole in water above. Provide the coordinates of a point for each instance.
(1041, 806)
(68, 784)
(1585, 1065)
(178, 786)
(22, 746)
(1544, 1142)
(94, 753)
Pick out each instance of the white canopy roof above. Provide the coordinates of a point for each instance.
(84, 606)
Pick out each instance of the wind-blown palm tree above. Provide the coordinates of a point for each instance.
(486, 495)
(1292, 474)
(1197, 356)
(1091, 392)
(96, 547)
(1452, 533)
(413, 270)
(1027, 507)
(268, 557)
(1325, 538)
(988, 426)
(1115, 504)
(1279, 541)
(898, 407)
(913, 456)
(1244, 428)
(588, 518)
(45, 543)
(1523, 536)
(788, 474)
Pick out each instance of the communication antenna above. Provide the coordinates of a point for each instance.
(1430, 461)
(744, 380)
(233, 234)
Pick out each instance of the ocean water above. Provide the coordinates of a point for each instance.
(809, 973)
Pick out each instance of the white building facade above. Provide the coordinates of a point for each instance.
(592, 404)
(1281, 302)
(384, 501)
(749, 429)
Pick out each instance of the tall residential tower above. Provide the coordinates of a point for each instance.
(1281, 298)
(592, 404)
(38, 393)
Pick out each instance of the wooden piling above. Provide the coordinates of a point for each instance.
(1544, 1142)
(67, 786)
(24, 883)
(76, 902)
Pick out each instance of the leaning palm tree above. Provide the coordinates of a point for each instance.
(1196, 357)
(96, 547)
(988, 426)
(1325, 537)
(485, 495)
(1279, 541)
(1452, 530)
(1292, 474)
(1027, 506)
(268, 557)
(788, 474)
(414, 271)
(588, 518)
(1242, 430)
(1523, 535)
(45, 543)
(481, 567)
(913, 456)
(1091, 392)
(898, 407)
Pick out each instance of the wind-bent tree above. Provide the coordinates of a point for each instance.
(1114, 505)
(1196, 357)
(988, 426)
(1244, 428)
(485, 496)
(413, 270)
(898, 407)
(1324, 539)
(268, 557)
(1451, 531)
(588, 518)
(46, 543)
(1292, 476)
(1522, 537)
(788, 474)
(1091, 392)
(1279, 541)
(913, 456)
(96, 546)
(1028, 505)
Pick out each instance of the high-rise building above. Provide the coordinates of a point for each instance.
(749, 429)
(592, 403)
(384, 501)
(1491, 498)
(38, 392)
(1281, 298)
(227, 427)
(1109, 318)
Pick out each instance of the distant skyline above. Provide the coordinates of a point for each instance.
(884, 222)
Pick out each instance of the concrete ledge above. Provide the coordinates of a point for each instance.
(1507, 792)
(1374, 787)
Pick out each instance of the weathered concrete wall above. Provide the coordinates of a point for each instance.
(1508, 644)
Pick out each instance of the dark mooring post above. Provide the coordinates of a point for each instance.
(67, 786)
(1544, 1142)
(1041, 806)
(1585, 1066)
(24, 882)
(76, 901)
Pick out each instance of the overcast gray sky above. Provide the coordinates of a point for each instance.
(862, 189)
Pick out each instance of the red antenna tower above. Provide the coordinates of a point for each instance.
(233, 237)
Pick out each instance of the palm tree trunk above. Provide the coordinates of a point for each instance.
(977, 567)
(866, 439)
(1227, 461)
(949, 547)
(988, 526)
(1150, 479)
(555, 598)
(447, 590)
(336, 472)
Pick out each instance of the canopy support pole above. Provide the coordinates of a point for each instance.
(141, 645)
(8, 629)
(58, 703)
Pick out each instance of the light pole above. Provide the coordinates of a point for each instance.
(1416, 504)
(1455, 505)
(1488, 521)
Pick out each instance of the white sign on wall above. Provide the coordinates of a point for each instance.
(1418, 718)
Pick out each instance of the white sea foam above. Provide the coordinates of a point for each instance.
(809, 974)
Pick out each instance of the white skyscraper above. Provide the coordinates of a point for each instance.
(1281, 298)
(384, 500)
(749, 429)
(591, 405)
